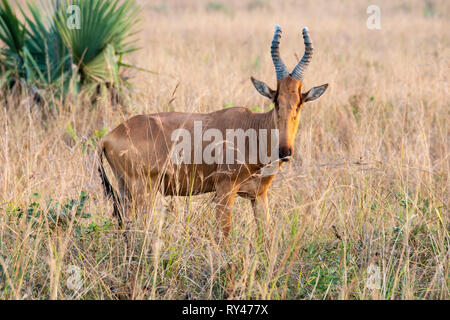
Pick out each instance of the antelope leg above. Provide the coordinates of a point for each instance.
(260, 206)
(225, 196)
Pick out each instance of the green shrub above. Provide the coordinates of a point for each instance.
(47, 50)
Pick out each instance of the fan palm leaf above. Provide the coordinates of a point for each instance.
(46, 50)
(44, 42)
(12, 34)
(105, 27)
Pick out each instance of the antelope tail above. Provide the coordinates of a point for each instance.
(107, 187)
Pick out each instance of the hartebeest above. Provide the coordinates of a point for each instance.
(139, 150)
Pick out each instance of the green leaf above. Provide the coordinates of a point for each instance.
(48, 52)
(71, 132)
(104, 34)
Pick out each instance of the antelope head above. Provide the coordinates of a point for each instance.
(288, 97)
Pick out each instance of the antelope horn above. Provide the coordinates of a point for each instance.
(299, 70)
(280, 68)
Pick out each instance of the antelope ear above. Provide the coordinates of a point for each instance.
(263, 89)
(314, 93)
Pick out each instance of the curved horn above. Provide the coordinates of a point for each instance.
(280, 68)
(299, 70)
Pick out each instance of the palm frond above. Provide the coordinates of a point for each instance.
(12, 34)
(47, 51)
(104, 29)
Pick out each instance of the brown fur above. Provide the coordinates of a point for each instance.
(138, 152)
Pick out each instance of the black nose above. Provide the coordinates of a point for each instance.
(284, 154)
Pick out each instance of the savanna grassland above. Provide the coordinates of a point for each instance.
(362, 211)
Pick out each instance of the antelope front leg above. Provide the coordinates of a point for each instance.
(225, 196)
(260, 206)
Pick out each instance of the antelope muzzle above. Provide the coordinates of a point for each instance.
(285, 153)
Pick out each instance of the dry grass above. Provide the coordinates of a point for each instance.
(368, 185)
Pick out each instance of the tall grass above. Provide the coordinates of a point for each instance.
(367, 190)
